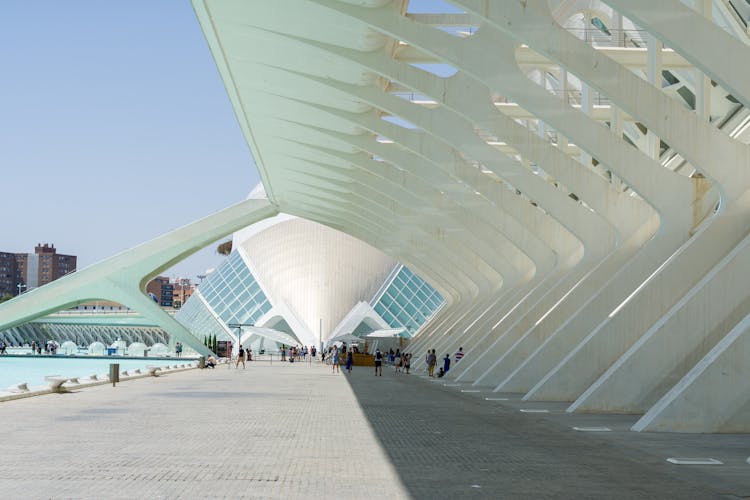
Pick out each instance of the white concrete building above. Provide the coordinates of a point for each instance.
(296, 282)
(571, 176)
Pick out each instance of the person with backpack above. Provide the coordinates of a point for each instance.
(378, 363)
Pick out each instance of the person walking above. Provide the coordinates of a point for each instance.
(407, 362)
(240, 357)
(431, 362)
(446, 363)
(335, 360)
(349, 360)
(459, 354)
(378, 363)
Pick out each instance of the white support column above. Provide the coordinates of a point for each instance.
(713, 396)
(670, 347)
(586, 102)
(562, 141)
(653, 73)
(702, 81)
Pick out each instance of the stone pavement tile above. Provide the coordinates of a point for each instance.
(281, 431)
(449, 444)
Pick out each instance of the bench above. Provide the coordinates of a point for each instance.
(56, 383)
(152, 370)
(18, 388)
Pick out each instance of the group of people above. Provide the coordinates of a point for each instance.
(296, 353)
(343, 356)
(291, 354)
(336, 357)
(402, 362)
(431, 360)
(49, 348)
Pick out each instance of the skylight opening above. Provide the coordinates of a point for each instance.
(459, 31)
(432, 7)
(415, 97)
(396, 120)
(438, 69)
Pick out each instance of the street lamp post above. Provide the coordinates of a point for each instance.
(20, 286)
(239, 326)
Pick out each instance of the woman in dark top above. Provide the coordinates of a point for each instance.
(349, 360)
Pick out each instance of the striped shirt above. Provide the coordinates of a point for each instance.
(459, 355)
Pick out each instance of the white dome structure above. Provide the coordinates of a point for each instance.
(68, 347)
(296, 257)
(159, 349)
(293, 281)
(97, 349)
(136, 349)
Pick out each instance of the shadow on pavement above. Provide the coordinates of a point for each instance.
(445, 444)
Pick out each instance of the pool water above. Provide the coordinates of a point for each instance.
(32, 370)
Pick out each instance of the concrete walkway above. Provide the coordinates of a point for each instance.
(281, 431)
(446, 443)
(297, 431)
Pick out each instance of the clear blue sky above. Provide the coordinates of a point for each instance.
(114, 127)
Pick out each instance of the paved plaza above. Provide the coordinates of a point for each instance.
(298, 431)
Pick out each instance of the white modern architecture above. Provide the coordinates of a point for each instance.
(570, 176)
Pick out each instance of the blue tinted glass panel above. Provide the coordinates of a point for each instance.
(408, 301)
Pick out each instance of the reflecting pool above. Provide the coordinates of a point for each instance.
(33, 369)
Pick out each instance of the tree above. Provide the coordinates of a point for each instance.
(205, 341)
(5, 297)
(225, 248)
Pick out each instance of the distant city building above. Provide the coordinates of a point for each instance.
(20, 272)
(161, 290)
(182, 290)
(8, 274)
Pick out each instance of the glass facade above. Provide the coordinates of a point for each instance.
(408, 301)
(233, 293)
(196, 317)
